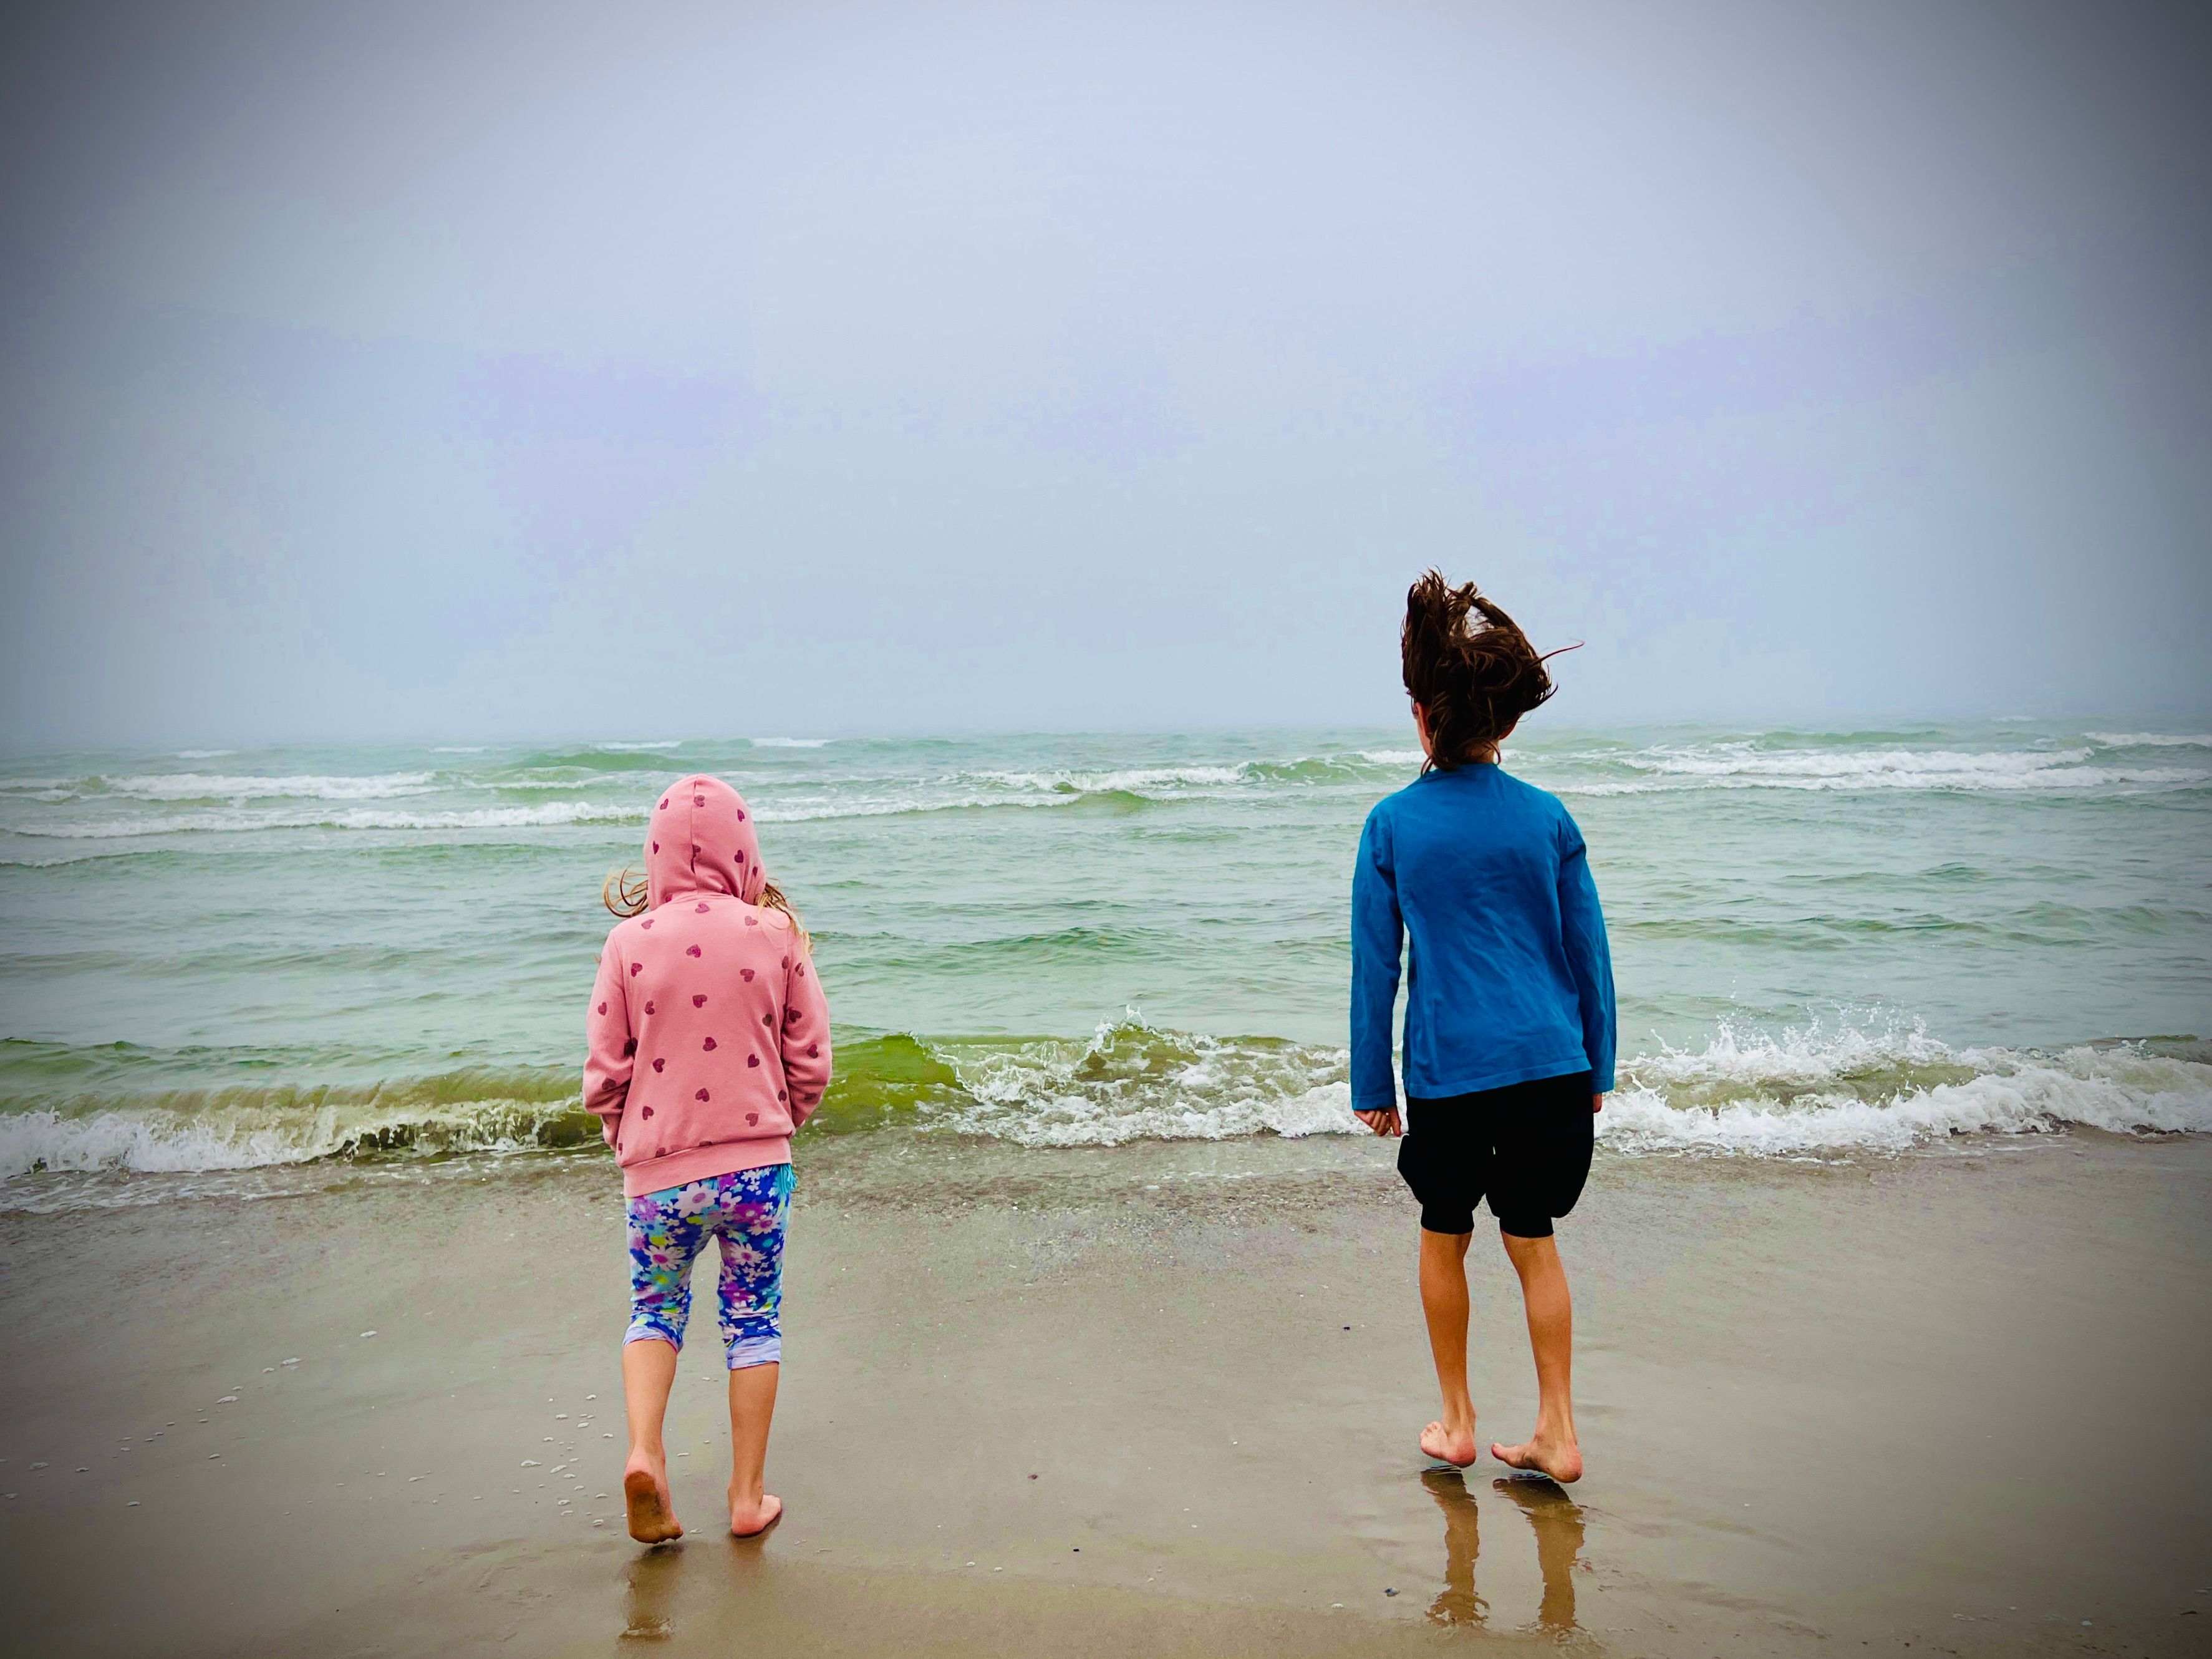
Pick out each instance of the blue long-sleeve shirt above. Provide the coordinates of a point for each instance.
(1508, 978)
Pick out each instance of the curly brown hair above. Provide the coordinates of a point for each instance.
(1470, 668)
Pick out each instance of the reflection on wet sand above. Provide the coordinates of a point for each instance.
(1457, 1604)
(1558, 1520)
(653, 1577)
(652, 1594)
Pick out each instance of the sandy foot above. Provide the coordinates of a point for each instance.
(652, 1511)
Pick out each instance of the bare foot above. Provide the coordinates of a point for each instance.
(751, 1520)
(645, 1494)
(1560, 1459)
(1446, 1447)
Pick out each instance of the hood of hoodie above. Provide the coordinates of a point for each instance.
(699, 838)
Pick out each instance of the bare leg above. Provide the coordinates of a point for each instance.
(649, 1373)
(1552, 1448)
(1451, 1439)
(753, 1508)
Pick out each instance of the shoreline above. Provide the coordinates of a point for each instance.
(1156, 1334)
(1795, 1098)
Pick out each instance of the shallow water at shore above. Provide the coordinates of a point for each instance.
(1825, 941)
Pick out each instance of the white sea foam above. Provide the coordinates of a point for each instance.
(154, 1142)
(1744, 765)
(2002, 766)
(2101, 764)
(637, 748)
(459, 749)
(1812, 1093)
(1796, 1058)
(967, 792)
(1135, 781)
(2154, 740)
(1075, 1119)
(2093, 1088)
(203, 754)
(65, 787)
(1888, 1090)
(244, 821)
(504, 785)
(815, 809)
(1882, 1089)
(554, 814)
(1132, 1081)
(203, 786)
(791, 743)
(148, 1143)
(890, 795)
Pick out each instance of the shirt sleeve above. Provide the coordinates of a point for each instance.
(1378, 935)
(805, 1040)
(1589, 958)
(610, 1047)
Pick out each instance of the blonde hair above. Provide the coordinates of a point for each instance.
(627, 893)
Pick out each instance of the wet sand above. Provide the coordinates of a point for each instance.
(1094, 1402)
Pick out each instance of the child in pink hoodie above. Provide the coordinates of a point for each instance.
(709, 1043)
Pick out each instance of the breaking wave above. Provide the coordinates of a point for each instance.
(1751, 764)
(449, 789)
(1813, 1092)
(201, 786)
(241, 821)
(2154, 740)
(251, 1127)
(1890, 1090)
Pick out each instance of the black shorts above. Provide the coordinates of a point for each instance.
(1525, 1147)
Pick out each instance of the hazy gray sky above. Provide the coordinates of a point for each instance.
(401, 370)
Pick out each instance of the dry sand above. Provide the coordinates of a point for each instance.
(1106, 1402)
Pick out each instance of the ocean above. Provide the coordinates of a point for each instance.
(1828, 943)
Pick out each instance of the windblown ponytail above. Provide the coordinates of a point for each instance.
(1469, 667)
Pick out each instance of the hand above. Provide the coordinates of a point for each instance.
(1597, 1103)
(1384, 1123)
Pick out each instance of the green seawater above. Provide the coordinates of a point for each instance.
(1824, 941)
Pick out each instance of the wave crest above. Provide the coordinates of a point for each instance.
(203, 786)
(241, 821)
(1890, 1090)
(2153, 739)
(1748, 765)
(1816, 1092)
(254, 1125)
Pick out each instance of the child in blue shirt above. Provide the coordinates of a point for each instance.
(1509, 1043)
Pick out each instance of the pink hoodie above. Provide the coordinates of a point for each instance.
(709, 1035)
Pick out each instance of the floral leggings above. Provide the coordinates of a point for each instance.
(667, 1230)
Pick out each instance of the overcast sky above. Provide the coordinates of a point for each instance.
(457, 369)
